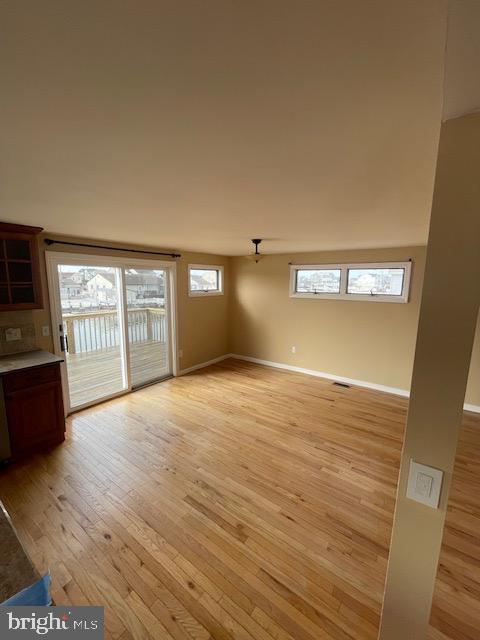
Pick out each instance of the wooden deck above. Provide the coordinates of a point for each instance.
(95, 374)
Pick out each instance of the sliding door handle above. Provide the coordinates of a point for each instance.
(64, 344)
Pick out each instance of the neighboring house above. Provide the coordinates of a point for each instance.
(69, 287)
(201, 283)
(102, 286)
(82, 276)
(138, 286)
(143, 286)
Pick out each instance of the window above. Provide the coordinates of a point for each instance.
(205, 280)
(375, 281)
(318, 281)
(378, 282)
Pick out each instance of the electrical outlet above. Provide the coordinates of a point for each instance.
(180, 353)
(13, 334)
(294, 349)
(45, 331)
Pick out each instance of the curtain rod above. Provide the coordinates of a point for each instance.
(49, 241)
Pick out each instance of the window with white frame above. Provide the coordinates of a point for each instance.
(373, 282)
(205, 280)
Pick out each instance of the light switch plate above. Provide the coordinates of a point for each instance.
(45, 330)
(424, 484)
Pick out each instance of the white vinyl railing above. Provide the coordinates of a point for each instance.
(97, 330)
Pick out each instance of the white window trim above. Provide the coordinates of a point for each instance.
(212, 267)
(343, 295)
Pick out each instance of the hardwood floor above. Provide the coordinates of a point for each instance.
(236, 502)
(456, 601)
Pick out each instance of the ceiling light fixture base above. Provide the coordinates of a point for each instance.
(257, 256)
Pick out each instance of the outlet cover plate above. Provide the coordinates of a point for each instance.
(424, 484)
(13, 334)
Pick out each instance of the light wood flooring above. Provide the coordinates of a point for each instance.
(456, 601)
(236, 502)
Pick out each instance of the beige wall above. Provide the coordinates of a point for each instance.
(368, 341)
(202, 323)
(473, 387)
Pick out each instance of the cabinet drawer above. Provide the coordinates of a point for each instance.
(31, 377)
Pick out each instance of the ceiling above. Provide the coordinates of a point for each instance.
(199, 125)
(462, 76)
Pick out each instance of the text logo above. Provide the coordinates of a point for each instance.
(22, 623)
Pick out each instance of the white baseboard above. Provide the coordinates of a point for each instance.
(475, 408)
(182, 372)
(313, 372)
(330, 376)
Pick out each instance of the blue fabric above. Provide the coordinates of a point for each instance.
(37, 595)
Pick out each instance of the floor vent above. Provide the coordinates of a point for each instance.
(342, 384)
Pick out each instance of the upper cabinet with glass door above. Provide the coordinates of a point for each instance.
(20, 286)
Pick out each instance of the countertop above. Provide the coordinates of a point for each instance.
(27, 360)
(16, 569)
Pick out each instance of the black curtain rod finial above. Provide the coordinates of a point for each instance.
(49, 242)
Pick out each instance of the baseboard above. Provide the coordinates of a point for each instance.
(323, 374)
(474, 408)
(318, 374)
(182, 372)
(330, 376)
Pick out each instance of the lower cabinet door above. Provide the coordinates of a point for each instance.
(35, 418)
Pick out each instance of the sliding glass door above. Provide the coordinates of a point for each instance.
(91, 332)
(148, 335)
(112, 324)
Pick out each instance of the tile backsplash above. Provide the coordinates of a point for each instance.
(27, 341)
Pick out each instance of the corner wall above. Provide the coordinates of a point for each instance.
(369, 341)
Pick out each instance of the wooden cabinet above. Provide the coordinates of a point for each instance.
(20, 285)
(34, 409)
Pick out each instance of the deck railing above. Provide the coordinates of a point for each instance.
(97, 330)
